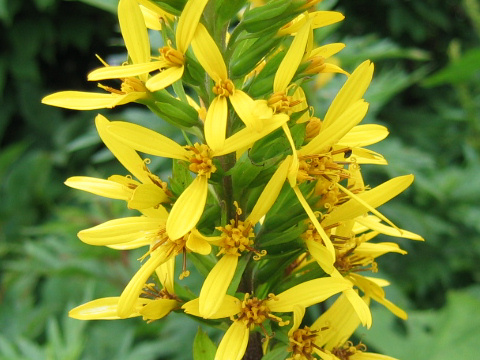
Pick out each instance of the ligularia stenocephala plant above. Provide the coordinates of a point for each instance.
(266, 194)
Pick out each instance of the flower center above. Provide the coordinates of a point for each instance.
(131, 84)
(173, 56)
(302, 344)
(280, 102)
(313, 128)
(347, 350)
(312, 167)
(255, 311)
(316, 65)
(201, 160)
(236, 237)
(150, 291)
(224, 88)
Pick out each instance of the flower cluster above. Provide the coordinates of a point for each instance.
(271, 200)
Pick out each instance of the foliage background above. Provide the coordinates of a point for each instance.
(425, 90)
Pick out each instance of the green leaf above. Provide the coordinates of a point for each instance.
(458, 71)
(203, 347)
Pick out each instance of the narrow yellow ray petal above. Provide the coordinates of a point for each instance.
(321, 255)
(134, 31)
(132, 291)
(360, 306)
(251, 112)
(332, 68)
(165, 78)
(370, 223)
(342, 125)
(374, 197)
(325, 18)
(166, 274)
(124, 71)
(364, 135)
(293, 170)
(394, 309)
(157, 309)
(130, 245)
(129, 97)
(234, 342)
(81, 100)
(208, 54)
(370, 356)
(298, 313)
(124, 154)
(101, 187)
(292, 59)
(187, 23)
(270, 193)
(146, 140)
(122, 230)
(146, 196)
(366, 205)
(247, 137)
(216, 284)
(328, 50)
(307, 293)
(197, 243)
(352, 91)
(340, 321)
(378, 249)
(188, 208)
(216, 123)
(314, 220)
(99, 309)
(230, 306)
(364, 156)
(293, 26)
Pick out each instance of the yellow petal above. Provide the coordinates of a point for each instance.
(292, 59)
(247, 137)
(270, 193)
(375, 197)
(101, 187)
(373, 223)
(314, 220)
(134, 31)
(165, 78)
(100, 309)
(293, 170)
(338, 324)
(124, 71)
(216, 123)
(125, 154)
(364, 135)
(230, 306)
(328, 50)
(81, 100)
(234, 342)
(352, 91)
(325, 18)
(132, 291)
(332, 68)
(197, 243)
(361, 308)
(187, 23)
(307, 293)
(378, 249)
(370, 356)
(146, 196)
(157, 309)
(298, 313)
(188, 208)
(216, 284)
(122, 230)
(146, 140)
(321, 255)
(251, 112)
(342, 125)
(208, 54)
(166, 274)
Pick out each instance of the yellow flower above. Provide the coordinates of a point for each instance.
(252, 312)
(252, 112)
(188, 208)
(171, 61)
(153, 303)
(135, 35)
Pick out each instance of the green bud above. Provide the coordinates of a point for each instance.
(203, 347)
(266, 16)
(173, 110)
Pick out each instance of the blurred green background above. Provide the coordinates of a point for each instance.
(425, 90)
